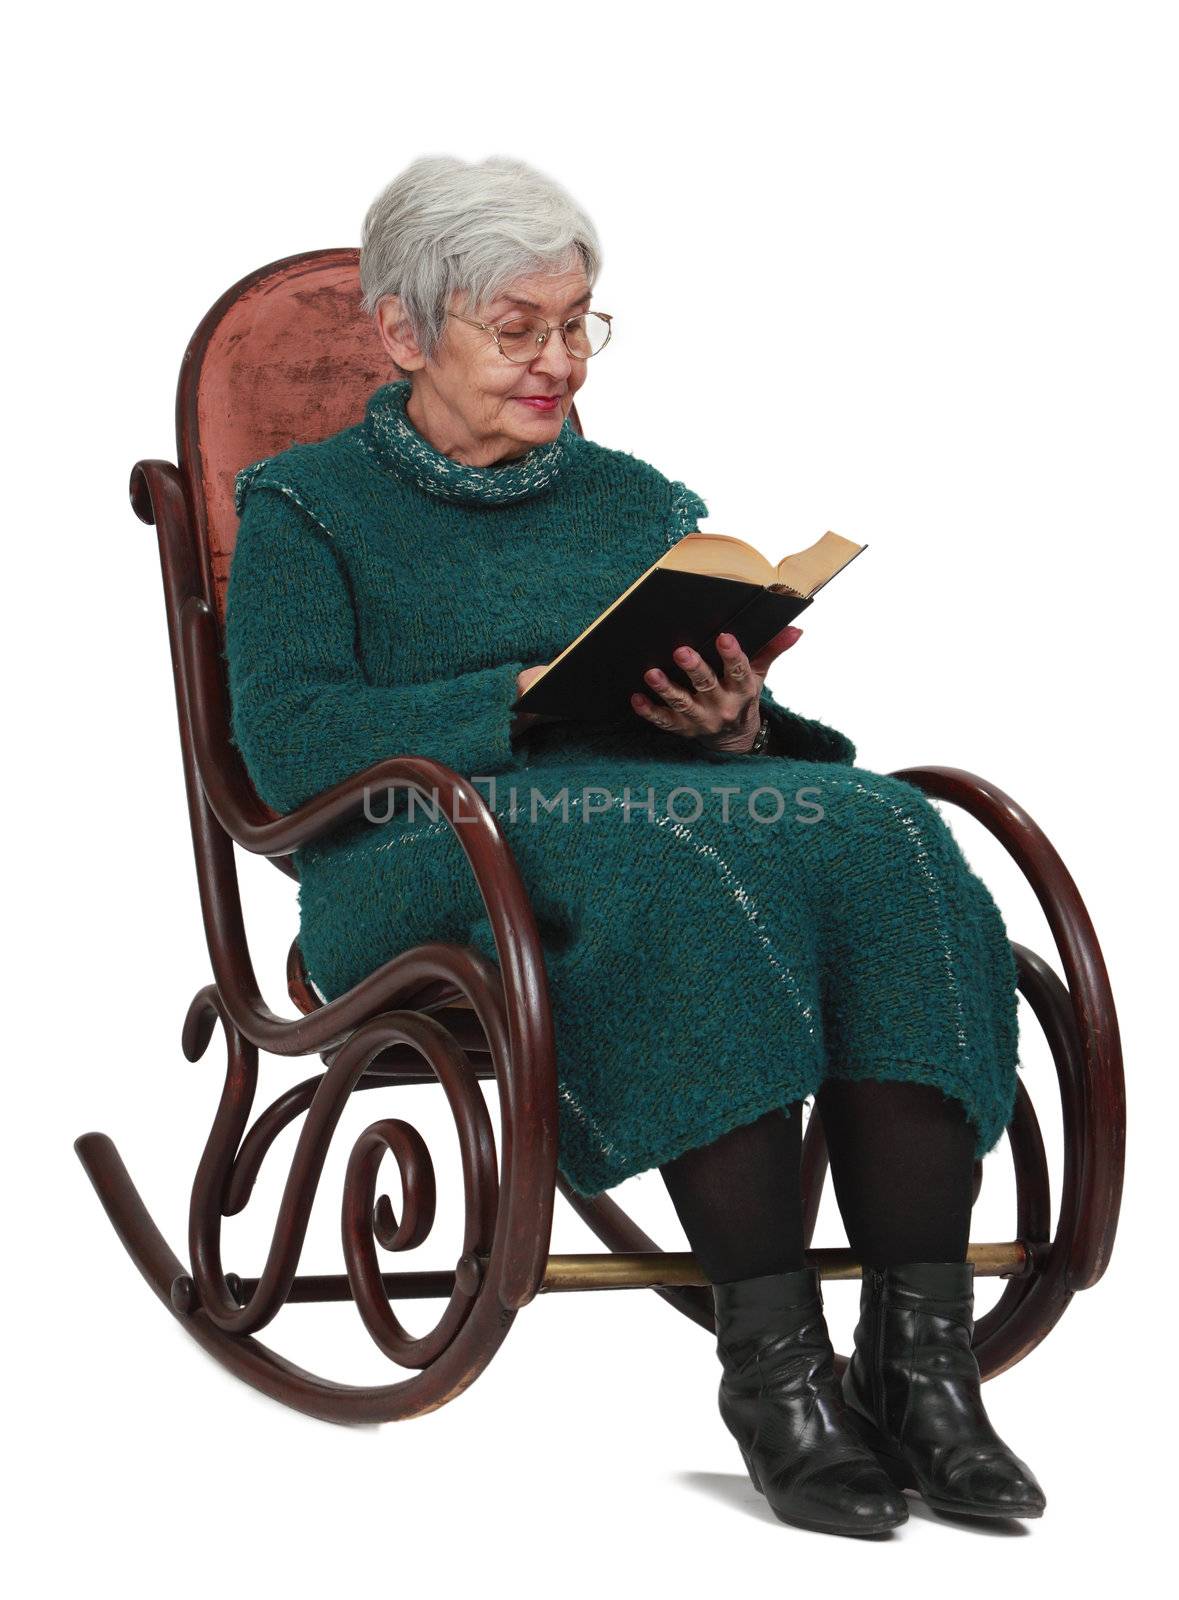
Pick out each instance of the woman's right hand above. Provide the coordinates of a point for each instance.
(522, 720)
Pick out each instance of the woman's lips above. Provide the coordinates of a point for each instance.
(540, 402)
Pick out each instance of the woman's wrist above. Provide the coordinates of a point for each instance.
(757, 744)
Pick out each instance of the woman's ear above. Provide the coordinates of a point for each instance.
(397, 335)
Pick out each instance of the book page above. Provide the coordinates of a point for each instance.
(807, 572)
(721, 555)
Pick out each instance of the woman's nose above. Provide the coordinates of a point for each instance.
(553, 357)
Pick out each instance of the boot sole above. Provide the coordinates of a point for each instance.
(904, 1477)
(859, 1530)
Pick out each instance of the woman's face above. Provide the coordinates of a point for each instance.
(469, 402)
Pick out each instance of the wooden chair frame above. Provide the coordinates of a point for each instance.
(442, 1013)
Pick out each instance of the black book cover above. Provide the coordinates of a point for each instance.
(595, 681)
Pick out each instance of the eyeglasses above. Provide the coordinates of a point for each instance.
(521, 338)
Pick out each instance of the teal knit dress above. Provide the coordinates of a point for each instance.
(721, 932)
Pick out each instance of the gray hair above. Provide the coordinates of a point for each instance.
(444, 224)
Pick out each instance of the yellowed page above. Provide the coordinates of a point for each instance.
(720, 555)
(810, 569)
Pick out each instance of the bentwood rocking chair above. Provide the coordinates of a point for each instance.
(285, 355)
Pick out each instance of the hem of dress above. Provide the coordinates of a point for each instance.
(597, 1179)
(989, 1117)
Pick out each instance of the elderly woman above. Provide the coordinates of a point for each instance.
(715, 957)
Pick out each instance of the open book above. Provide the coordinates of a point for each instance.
(707, 583)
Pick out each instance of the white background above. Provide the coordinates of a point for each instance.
(905, 271)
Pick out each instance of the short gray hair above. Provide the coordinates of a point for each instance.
(444, 224)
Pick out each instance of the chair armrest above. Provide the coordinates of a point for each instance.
(1090, 996)
(431, 969)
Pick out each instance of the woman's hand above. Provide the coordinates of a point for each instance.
(723, 712)
(522, 720)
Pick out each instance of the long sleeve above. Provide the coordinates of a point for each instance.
(304, 715)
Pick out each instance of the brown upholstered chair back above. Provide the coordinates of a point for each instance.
(285, 356)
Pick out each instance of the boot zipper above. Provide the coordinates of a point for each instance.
(878, 1352)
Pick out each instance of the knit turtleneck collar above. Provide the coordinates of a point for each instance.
(401, 449)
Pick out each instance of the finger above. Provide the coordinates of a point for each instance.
(658, 715)
(679, 700)
(738, 671)
(770, 651)
(704, 679)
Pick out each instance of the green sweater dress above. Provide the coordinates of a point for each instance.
(721, 931)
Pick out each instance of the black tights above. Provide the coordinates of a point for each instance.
(902, 1163)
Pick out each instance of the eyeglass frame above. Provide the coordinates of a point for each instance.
(493, 328)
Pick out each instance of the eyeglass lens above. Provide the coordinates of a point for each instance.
(584, 336)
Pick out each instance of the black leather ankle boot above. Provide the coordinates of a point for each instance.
(912, 1389)
(779, 1398)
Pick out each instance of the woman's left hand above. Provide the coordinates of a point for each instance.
(723, 713)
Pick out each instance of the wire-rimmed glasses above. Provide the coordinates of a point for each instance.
(521, 338)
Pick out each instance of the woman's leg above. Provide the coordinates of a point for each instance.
(902, 1164)
(739, 1199)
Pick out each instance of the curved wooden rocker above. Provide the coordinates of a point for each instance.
(287, 354)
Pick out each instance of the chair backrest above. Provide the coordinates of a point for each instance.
(286, 356)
